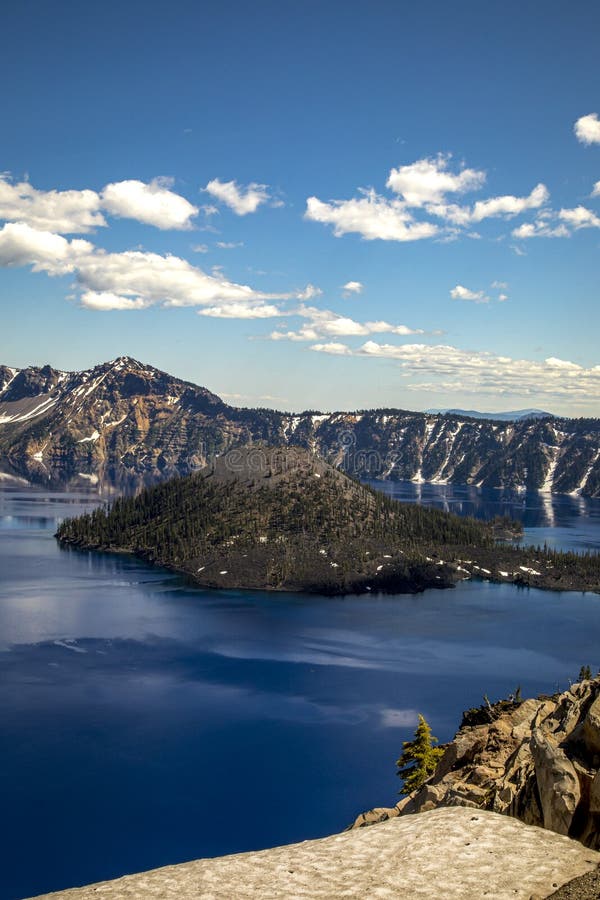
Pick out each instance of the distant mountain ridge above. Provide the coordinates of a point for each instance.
(128, 423)
(508, 416)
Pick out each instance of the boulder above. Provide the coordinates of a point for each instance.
(591, 727)
(557, 783)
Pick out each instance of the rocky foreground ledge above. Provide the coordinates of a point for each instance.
(536, 760)
(454, 853)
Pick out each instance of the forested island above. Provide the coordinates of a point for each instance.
(283, 519)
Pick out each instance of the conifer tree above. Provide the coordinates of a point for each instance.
(419, 758)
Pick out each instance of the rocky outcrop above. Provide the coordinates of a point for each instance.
(536, 760)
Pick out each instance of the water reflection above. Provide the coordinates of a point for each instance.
(560, 520)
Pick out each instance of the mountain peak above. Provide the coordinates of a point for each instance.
(127, 362)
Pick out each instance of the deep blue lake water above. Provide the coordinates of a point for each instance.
(144, 722)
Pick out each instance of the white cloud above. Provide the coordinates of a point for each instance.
(242, 311)
(229, 245)
(169, 280)
(303, 334)
(506, 206)
(453, 213)
(371, 216)
(454, 370)
(580, 217)
(333, 348)
(60, 212)
(540, 228)
(499, 285)
(22, 245)
(103, 301)
(421, 186)
(502, 298)
(552, 224)
(242, 200)
(130, 280)
(587, 129)
(200, 248)
(352, 287)
(79, 212)
(325, 323)
(309, 292)
(428, 180)
(596, 190)
(462, 293)
(151, 204)
(510, 206)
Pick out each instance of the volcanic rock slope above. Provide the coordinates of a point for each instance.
(124, 421)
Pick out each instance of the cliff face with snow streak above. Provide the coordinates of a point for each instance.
(126, 422)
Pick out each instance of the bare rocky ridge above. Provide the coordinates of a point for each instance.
(128, 423)
(536, 760)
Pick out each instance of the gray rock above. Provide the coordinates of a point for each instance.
(591, 727)
(557, 782)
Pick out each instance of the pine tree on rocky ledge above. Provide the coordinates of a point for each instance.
(419, 758)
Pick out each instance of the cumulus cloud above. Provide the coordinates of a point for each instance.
(428, 180)
(104, 300)
(558, 224)
(453, 370)
(22, 245)
(241, 199)
(580, 217)
(325, 323)
(61, 212)
(246, 310)
(506, 206)
(151, 204)
(462, 293)
(542, 227)
(509, 205)
(333, 348)
(130, 280)
(371, 216)
(352, 287)
(596, 190)
(422, 188)
(587, 129)
(79, 212)
(309, 292)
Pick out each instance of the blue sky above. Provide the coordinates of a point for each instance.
(327, 205)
